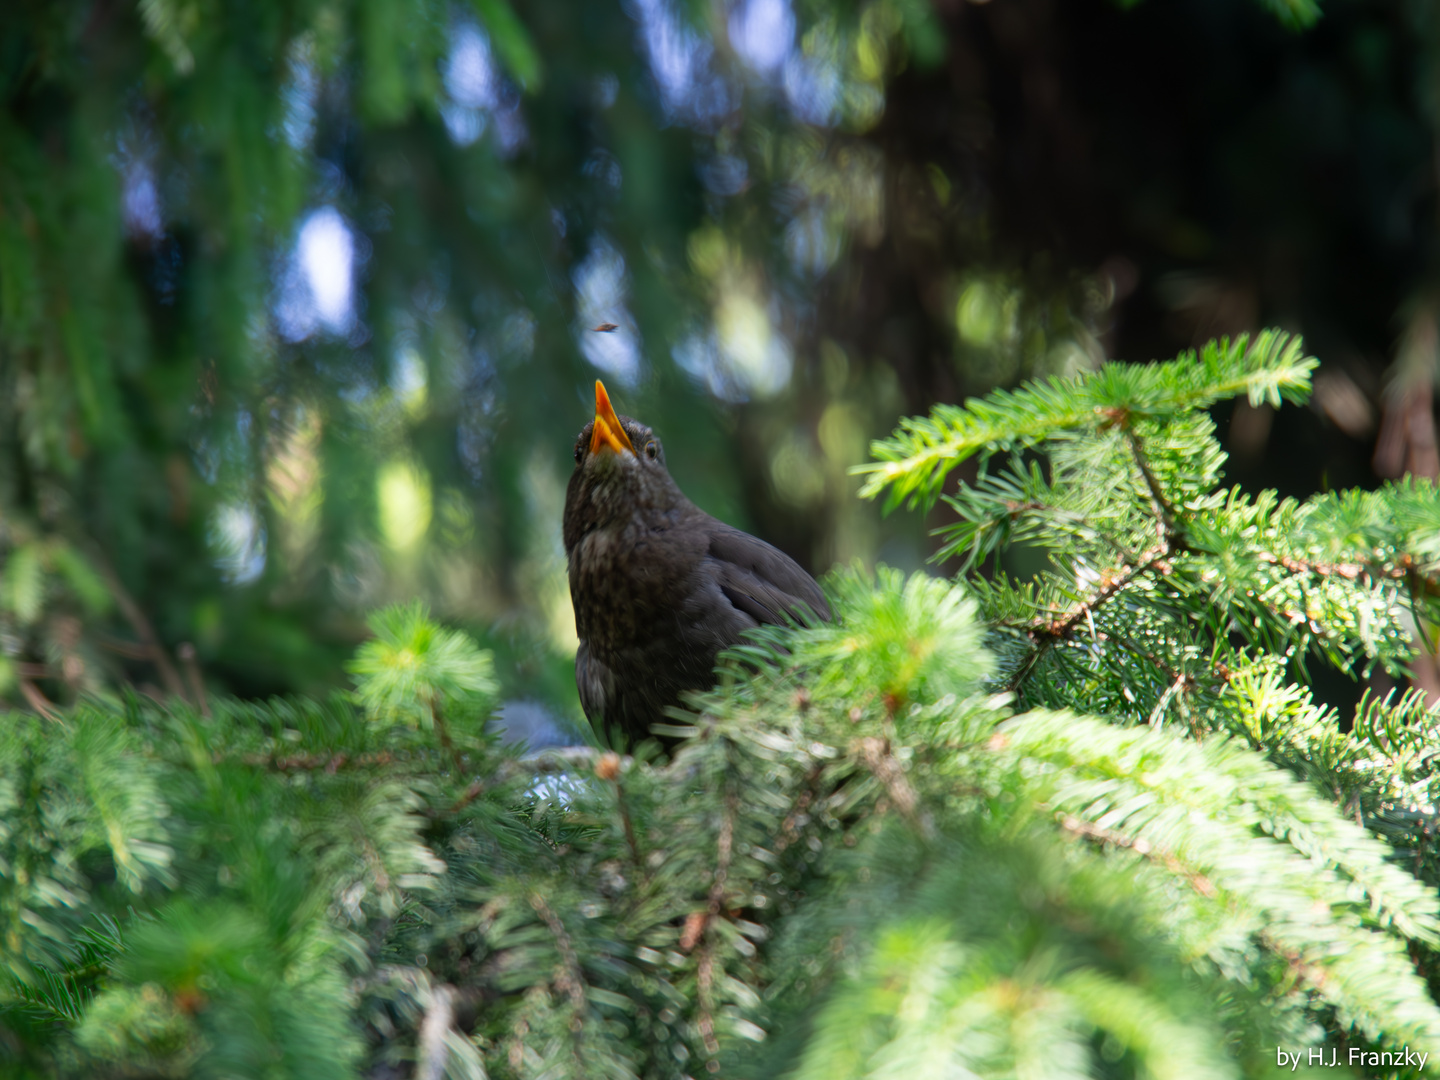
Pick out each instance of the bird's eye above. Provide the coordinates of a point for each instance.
(651, 450)
(579, 453)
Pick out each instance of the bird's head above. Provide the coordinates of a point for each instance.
(619, 470)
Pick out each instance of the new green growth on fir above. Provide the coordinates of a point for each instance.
(1086, 825)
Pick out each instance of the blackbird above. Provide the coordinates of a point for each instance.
(659, 586)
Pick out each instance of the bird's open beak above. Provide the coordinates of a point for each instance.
(608, 432)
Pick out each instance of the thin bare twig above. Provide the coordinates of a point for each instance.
(143, 630)
(124, 648)
(790, 827)
(1060, 625)
(38, 701)
(697, 932)
(705, 964)
(557, 759)
(186, 652)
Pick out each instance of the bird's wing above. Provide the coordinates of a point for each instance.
(762, 581)
(594, 681)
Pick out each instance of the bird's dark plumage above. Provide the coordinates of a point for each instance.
(659, 586)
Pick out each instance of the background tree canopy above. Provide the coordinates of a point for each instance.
(298, 319)
(295, 299)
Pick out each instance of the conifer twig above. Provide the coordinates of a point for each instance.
(1167, 525)
(698, 922)
(1090, 831)
(876, 756)
(608, 767)
(1062, 625)
(789, 830)
(705, 963)
(571, 979)
(432, 701)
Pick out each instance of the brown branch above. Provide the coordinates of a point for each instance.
(1166, 524)
(1090, 831)
(1045, 632)
(725, 848)
(705, 981)
(570, 979)
(629, 829)
(609, 767)
(697, 926)
(698, 922)
(328, 763)
(697, 931)
(1062, 625)
(143, 630)
(128, 649)
(186, 652)
(433, 704)
(876, 756)
(1348, 571)
(469, 795)
(1299, 969)
(38, 701)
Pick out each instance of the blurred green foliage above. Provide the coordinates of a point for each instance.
(295, 307)
(296, 300)
(297, 310)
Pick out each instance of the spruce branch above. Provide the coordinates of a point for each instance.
(310, 762)
(569, 978)
(914, 462)
(609, 767)
(1115, 838)
(876, 756)
(1061, 625)
(697, 924)
(1167, 525)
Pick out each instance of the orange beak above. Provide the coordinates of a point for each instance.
(608, 432)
